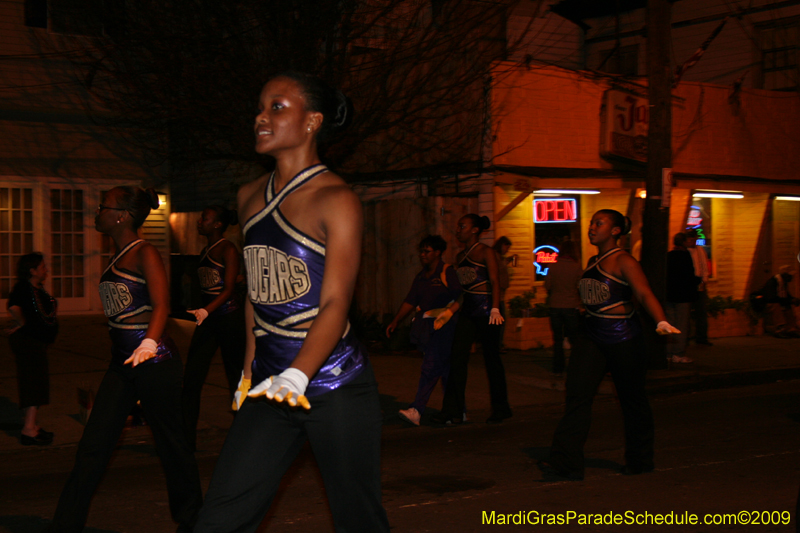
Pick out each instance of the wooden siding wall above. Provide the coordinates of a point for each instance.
(735, 228)
(389, 256)
(517, 225)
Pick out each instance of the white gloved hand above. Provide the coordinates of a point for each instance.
(495, 318)
(290, 385)
(146, 350)
(665, 328)
(241, 392)
(199, 315)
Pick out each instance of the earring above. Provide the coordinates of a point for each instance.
(309, 129)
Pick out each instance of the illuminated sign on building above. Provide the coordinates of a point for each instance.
(544, 255)
(555, 210)
(624, 124)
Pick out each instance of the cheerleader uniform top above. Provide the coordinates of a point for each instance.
(601, 293)
(124, 295)
(474, 279)
(212, 281)
(285, 268)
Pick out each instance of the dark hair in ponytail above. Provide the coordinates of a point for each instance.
(336, 108)
(618, 220)
(225, 216)
(482, 223)
(138, 203)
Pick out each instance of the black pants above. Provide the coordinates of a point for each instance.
(627, 362)
(565, 322)
(157, 386)
(226, 332)
(700, 316)
(468, 330)
(344, 429)
(33, 374)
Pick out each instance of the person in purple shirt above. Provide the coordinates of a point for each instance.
(432, 298)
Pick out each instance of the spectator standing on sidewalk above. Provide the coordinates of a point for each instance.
(780, 303)
(681, 292)
(432, 298)
(700, 305)
(34, 314)
(564, 301)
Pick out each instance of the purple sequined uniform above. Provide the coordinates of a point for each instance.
(603, 295)
(474, 279)
(212, 282)
(124, 295)
(284, 277)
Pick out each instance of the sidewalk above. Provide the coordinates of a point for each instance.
(80, 358)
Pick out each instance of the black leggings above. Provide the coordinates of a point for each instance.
(469, 329)
(226, 332)
(344, 429)
(627, 361)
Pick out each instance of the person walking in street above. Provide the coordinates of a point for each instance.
(220, 322)
(302, 247)
(33, 312)
(432, 299)
(681, 292)
(145, 366)
(480, 319)
(610, 341)
(700, 304)
(564, 301)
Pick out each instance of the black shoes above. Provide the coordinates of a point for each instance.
(551, 472)
(498, 416)
(631, 470)
(43, 438)
(443, 419)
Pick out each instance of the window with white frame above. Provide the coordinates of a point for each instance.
(16, 233)
(67, 251)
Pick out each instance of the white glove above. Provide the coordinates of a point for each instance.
(199, 315)
(146, 350)
(665, 328)
(241, 392)
(495, 318)
(289, 385)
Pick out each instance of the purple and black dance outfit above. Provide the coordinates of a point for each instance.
(285, 269)
(473, 324)
(156, 384)
(428, 293)
(609, 341)
(223, 328)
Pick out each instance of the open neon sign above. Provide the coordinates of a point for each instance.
(544, 255)
(555, 210)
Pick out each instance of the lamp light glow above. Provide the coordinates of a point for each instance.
(717, 194)
(565, 191)
(788, 198)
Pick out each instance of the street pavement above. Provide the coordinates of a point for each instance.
(80, 357)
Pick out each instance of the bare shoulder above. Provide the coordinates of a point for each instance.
(250, 197)
(333, 195)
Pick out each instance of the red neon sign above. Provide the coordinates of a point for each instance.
(545, 257)
(555, 210)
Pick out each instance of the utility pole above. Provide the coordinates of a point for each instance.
(655, 227)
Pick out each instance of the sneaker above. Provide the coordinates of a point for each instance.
(410, 415)
(681, 359)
